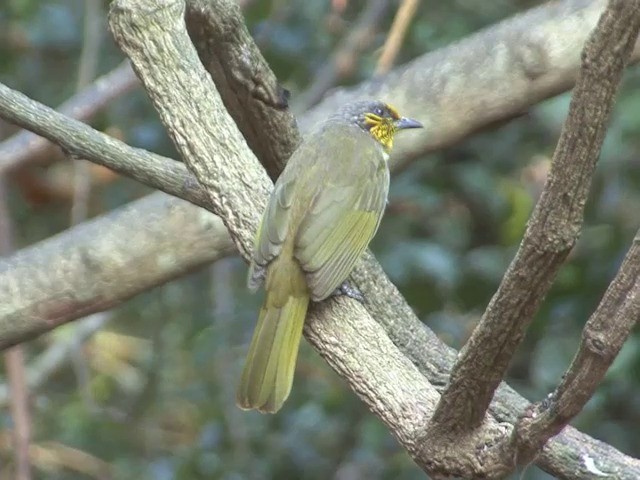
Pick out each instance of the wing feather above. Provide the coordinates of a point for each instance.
(340, 257)
(336, 212)
(272, 232)
(343, 219)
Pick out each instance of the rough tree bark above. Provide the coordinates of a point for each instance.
(417, 396)
(551, 233)
(152, 34)
(106, 254)
(555, 31)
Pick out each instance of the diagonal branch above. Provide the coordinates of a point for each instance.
(154, 37)
(80, 140)
(424, 349)
(553, 228)
(395, 37)
(27, 147)
(247, 85)
(46, 273)
(152, 34)
(602, 338)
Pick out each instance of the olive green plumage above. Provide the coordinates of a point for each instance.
(324, 210)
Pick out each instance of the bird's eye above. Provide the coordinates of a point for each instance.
(378, 111)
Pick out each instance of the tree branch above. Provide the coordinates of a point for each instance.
(14, 364)
(395, 37)
(57, 355)
(152, 34)
(420, 345)
(100, 263)
(602, 338)
(211, 17)
(488, 77)
(91, 43)
(26, 147)
(249, 89)
(553, 227)
(80, 140)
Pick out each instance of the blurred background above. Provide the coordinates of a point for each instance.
(146, 390)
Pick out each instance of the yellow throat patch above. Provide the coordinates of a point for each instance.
(381, 128)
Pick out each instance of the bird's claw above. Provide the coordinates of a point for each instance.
(348, 291)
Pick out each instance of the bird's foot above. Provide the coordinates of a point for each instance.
(348, 291)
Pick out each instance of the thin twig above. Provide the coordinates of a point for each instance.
(398, 30)
(346, 54)
(91, 43)
(87, 69)
(224, 307)
(19, 405)
(92, 40)
(14, 360)
(57, 356)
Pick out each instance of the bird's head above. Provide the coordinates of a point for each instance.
(379, 119)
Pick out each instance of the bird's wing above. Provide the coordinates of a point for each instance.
(343, 217)
(272, 232)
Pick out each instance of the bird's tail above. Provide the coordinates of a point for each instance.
(268, 372)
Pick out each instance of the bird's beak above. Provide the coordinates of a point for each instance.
(404, 123)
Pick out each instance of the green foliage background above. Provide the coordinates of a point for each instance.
(158, 399)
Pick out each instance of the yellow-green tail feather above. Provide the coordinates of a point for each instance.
(268, 372)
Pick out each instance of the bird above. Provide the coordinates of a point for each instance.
(324, 210)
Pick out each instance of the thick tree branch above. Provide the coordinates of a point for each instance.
(602, 338)
(211, 17)
(554, 33)
(152, 34)
(553, 228)
(26, 146)
(248, 87)
(85, 264)
(424, 349)
(488, 77)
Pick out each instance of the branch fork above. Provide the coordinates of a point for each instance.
(448, 435)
